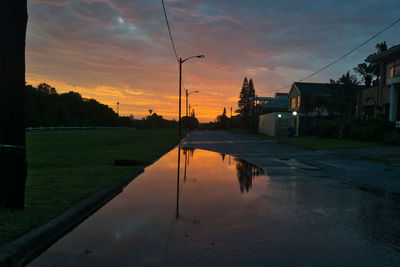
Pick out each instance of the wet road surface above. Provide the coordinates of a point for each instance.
(286, 210)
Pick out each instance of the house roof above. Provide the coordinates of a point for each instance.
(314, 88)
(388, 54)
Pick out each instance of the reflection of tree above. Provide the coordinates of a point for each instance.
(223, 157)
(188, 151)
(245, 172)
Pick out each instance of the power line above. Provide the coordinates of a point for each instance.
(169, 31)
(345, 55)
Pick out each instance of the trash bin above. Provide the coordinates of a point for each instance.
(290, 132)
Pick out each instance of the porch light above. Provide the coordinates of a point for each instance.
(294, 113)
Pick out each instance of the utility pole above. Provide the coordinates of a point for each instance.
(118, 109)
(231, 112)
(13, 167)
(180, 95)
(181, 61)
(187, 94)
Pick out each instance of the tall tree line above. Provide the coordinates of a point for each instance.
(45, 107)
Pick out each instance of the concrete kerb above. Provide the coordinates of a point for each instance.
(24, 249)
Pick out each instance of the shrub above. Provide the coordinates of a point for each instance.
(371, 129)
(328, 129)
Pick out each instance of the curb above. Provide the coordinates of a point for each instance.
(24, 249)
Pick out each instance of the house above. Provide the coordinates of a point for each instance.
(383, 100)
(300, 89)
(275, 123)
(276, 120)
(278, 102)
(304, 122)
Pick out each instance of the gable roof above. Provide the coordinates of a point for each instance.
(324, 89)
(387, 55)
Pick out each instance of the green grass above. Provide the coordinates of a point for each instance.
(322, 143)
(313, 142)
(67, 167)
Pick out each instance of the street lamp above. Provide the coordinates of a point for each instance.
(187, 96)
(180, 87)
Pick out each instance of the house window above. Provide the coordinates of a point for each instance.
(391, 72)
(293, 102)
(298, 101)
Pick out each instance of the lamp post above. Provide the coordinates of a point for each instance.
(180, 88)
(187, 97)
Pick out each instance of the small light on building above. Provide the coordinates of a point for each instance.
(294, 113)
(279, 115)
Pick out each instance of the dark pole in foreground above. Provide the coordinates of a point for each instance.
(13, 21)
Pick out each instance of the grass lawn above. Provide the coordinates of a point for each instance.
(67, 167)
(313, 142)
(322, 143)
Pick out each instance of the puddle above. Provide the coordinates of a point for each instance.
(196, 207)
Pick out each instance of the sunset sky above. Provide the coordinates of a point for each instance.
(119, 50)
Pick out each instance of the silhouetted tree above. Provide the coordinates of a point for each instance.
(382, 47)
(366, 71)
(246, 93)
(13, 21)
(222, 120)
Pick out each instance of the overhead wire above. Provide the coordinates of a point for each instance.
(169, 31)
(170, 37)
(345, 55)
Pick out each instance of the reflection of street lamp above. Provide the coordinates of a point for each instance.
(180, 87)
(187, 96)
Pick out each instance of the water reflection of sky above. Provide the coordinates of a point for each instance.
(144, 223)
(212, 209)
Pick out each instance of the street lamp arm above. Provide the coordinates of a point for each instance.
(199, 56)
(191, 93)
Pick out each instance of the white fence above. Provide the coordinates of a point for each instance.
(73, 128)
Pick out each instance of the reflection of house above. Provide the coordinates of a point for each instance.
(384, 99)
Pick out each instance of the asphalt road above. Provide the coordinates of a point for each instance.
(291, 207)
(286, 160)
